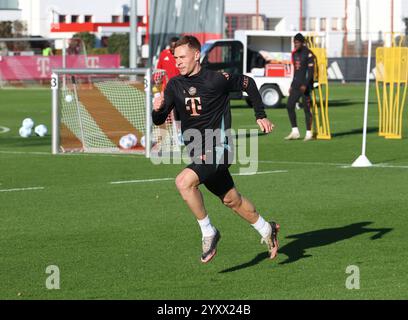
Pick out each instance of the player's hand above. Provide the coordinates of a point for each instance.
(158, 101)
(265, 125)
(303, 89)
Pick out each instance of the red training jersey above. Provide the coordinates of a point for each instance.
(168, 63)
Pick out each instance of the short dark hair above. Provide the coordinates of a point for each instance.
(300, 37)
(173, 39)
(191, 41)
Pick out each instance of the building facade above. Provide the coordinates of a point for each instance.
(9, 10)
(61, 18)
(347, 23)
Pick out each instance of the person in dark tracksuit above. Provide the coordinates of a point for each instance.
(301, 87)
(201, 97)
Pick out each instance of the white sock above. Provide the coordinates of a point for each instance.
(295, 130)
(308, 133)
(262, 227)
(206, 227)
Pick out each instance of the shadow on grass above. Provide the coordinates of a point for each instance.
(297, 249)
(25, 142)
(354, 131)
(341, 103)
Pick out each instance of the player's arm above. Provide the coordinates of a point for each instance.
(310, 68)
(162, 105)
(244, 83)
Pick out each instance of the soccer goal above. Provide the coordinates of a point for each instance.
(107, 111)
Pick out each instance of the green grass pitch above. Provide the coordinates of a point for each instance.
(139, 241)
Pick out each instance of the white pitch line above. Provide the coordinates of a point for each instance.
(142, 180)
(21, 189)
(4, 129)
(138, 156)
(134, 156)
(384, 165)
(259, 172)
(304, 163)
(28, 152)
(166, 179)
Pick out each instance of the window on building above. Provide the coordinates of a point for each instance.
(242, 21)
(312, 24)
(271, 23)
(126, 18)
(74, 18)
(323, 24)
(62, 18)
(343, 24)
(115, 19)
(88, 18)
(303, 27)
(334, 25)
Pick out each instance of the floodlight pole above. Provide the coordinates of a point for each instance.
(133, 35)
(362, 160)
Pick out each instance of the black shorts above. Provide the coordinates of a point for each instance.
(216, 178)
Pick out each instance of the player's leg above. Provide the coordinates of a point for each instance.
(307, 107)
(294, 96)
(222, 185)
(187, 183)
(245, 209)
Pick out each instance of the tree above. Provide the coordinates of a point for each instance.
(14, 29)
(119, 43)
(6, 29)
(87, 38)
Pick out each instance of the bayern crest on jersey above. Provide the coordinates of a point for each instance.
(192, 91)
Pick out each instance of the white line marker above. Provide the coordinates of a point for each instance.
(304, 163)
(142, 157)
(140, 181)
(381, 165)
(259, 172)
(4, 129)
(21, 189)
(166, 179)
(133, 155)
(28, 153)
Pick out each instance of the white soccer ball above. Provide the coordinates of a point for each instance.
(68, 98)
(126, 142)
(133, 138)
(40, 130)
(28, 123)
(24, 132)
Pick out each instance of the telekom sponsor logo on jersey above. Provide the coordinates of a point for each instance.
(193, 105)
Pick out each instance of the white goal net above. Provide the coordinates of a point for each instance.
(108, 111)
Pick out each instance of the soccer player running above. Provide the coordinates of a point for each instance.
(301, 87)
(201, 98)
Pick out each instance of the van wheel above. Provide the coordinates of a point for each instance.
(271, 96)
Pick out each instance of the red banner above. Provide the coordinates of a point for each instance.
(14, 68)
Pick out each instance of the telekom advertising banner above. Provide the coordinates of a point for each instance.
(39, 67)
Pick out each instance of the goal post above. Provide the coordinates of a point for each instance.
(93, 108)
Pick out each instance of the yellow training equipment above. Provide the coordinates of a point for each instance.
(320, 99)
(391, 85)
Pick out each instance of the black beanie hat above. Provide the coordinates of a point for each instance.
(300, 37)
